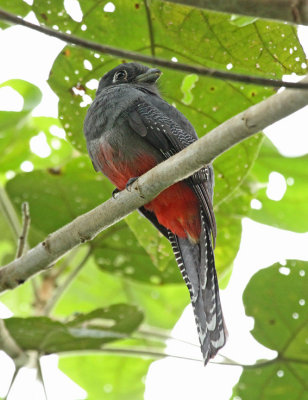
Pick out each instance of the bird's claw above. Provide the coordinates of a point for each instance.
(129, 183)
(115, 193)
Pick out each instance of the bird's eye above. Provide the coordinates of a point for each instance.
(120, 76)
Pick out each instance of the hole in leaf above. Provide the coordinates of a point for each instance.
(109, 7)
(73, 9)
(284, 270)
(10, 99)
(276, 187)
(187, 85)
(26, 166)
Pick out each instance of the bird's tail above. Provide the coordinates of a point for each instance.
(197, 265)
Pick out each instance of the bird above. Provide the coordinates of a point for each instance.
(129, 129)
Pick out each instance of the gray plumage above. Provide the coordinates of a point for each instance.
(128, 119)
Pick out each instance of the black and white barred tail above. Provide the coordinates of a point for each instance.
(197, 266)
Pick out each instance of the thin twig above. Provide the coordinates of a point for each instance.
(61, 289)
(9, 212)
(22, 240)
(40, 374)
(150, 26)
(17, 369)
(194, 69)
(159, 354)
(144, 333)
(146, 353)
(230, 363)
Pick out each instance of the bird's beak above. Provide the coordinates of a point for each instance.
(150, 76)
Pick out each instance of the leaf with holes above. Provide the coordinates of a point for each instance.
(277, 299)
(162, 304)
(10, 120)
(56, 196)
(120, 253)
(36, 141)
(180, 33)
(291, 211)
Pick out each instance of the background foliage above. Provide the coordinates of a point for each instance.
(128, 287)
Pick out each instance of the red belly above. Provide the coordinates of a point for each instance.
(176, 208)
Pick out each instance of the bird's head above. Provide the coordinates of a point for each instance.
(130, 73)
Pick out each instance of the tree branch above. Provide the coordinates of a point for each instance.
(295, 11)
(176, 168)
(193, 69)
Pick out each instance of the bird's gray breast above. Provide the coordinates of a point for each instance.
(108, 109)
(106, 123)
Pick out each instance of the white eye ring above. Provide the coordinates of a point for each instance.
(120, 76)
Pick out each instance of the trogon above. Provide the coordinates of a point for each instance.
(129, 129)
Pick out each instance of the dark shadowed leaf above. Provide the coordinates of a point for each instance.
(83, 332)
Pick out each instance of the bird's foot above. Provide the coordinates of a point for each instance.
(115, 193)
(130, 182)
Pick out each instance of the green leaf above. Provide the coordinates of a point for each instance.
(273, 382)
(258, 48)
(31, 97)
(108, 377)
(121, 254)
(17, 7)
(291, 211)
(57, 196)
(15, 144)
(240, 20)
(84, 332)
(31, 94)
(162, 305)
(154, 243)
(276, 298)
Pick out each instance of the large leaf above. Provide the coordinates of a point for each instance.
(291, 212)
(56, 196)
(31, 98)
(162, 305)
(108, 377)
(15, 144)
(31, 94)
(18, 128)
(84, 332)
(217, 43)
(276, 297)
(15, 6)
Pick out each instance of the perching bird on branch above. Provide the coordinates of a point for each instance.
(129, 129)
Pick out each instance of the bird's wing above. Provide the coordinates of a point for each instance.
(168, 131)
